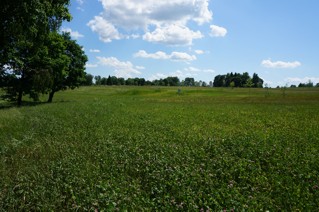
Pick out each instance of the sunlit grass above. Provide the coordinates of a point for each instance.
(156, 148)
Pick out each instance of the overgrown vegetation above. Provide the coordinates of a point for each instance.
(165, 149)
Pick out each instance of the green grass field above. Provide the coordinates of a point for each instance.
(157, 149)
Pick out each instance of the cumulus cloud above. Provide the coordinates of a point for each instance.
(122, 69)
(74, 34)
(198, 51)
(95, 50)
(280, 64)
(298, 80)
(173, 35)
(140, 67)
(175, 56)
(162, 21)
(88, 65)
(191, 72)
(106, 31)
(182, 74)
(157, 55)
(217, 31)
(194, 70)
(182, 56)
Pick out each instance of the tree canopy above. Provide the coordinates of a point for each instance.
(238, 80)
(34, 57)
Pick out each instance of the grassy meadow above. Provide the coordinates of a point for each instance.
(157, 149)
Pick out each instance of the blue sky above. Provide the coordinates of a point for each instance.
(278, 40)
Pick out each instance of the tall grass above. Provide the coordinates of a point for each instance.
(130, 148)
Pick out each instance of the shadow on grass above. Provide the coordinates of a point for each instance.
(7, 105)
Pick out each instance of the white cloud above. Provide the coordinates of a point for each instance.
(157, 55)
(298, 80)
(95, 50)
(183, 74)
(157, 76)
(80, 2)
(133, 15)
(176, 56)
(134, 36)
(121, 69)
(80, 8)
(193, 69)
(106, 30)
(280, 64)
(199, 51)
(217, 31)
(88, 65)
(140, 67)
(74, 34)
(177, 35)
(182, 56)
(191, 72)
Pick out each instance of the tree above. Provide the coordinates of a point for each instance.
(67, 61)
(204, 84)
(309, 84)
(249, 84)
(258, 83)
(219, 81)
(109, 81)
(301, 85)
(238, 79)
(98, 80)
(24, 28)
(88, 81)
(172, 81)
(232, 85)
(103, 81)
(114, 80)
(121, 81)
(189, 81)
(244, 79)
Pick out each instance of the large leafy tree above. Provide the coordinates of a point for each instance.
(24, 28)
(67, 62)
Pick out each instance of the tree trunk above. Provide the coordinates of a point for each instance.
(20, 89)
(51, 94)
(19, 100)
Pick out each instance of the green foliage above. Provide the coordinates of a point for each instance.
(150, 149)
(67, 62)
(237, 80)
(309, 84)
(232, 84)
(25, 26)
(249, 83)
(88, 81)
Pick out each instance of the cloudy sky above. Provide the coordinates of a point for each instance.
(279, 40)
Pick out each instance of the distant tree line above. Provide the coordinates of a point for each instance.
(238, 80)
(227, 80)
(306, 85)
(168, 81)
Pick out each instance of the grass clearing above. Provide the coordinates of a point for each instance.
(154, 148)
